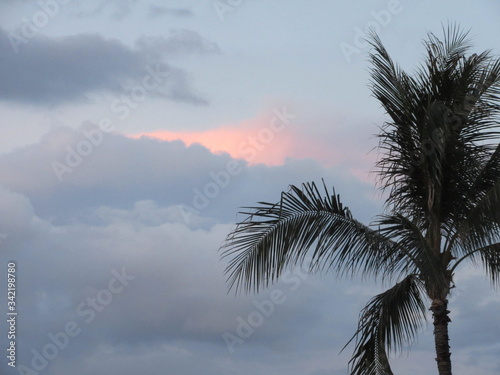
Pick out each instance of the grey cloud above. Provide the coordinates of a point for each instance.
(120, 171)
(120, 9)
(116, 9)
(116, 173)
(54, 71)
(176, 308)
(471, 294)
(180, 42)
(156, 11)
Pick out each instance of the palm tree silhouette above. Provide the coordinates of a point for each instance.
(440, 168)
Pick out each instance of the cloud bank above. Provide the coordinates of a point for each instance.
(56, 71)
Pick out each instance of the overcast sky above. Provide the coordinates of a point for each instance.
(133, 132)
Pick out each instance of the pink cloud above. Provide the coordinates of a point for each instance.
(270, 139)
(266, 139)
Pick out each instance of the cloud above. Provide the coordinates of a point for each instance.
(179, 43)
(55, 71)
(157, 11)
(155, 309)
(121, 170)
(116, 9)
(119, 209)
(266, 139)
(275, 135)
(174, 305)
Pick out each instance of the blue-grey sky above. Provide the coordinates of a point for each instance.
(133, 132)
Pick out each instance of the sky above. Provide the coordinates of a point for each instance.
(134, 132)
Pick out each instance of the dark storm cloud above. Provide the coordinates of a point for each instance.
(54, 71)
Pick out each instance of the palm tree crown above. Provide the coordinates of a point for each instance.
(439, 164)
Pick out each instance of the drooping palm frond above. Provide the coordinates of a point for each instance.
(489, 176)
(481, 227)
(389, 321)
(489, 257)
(424, 260)
(477, 237)
(275, 236)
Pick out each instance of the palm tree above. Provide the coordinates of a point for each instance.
(440, 167)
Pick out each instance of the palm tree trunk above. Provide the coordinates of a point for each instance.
(440, 313)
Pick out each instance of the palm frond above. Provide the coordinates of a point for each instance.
(421, 258)
(274, 236)
(388, 322)
(443, 120)
(489, 257)
(481, 227)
